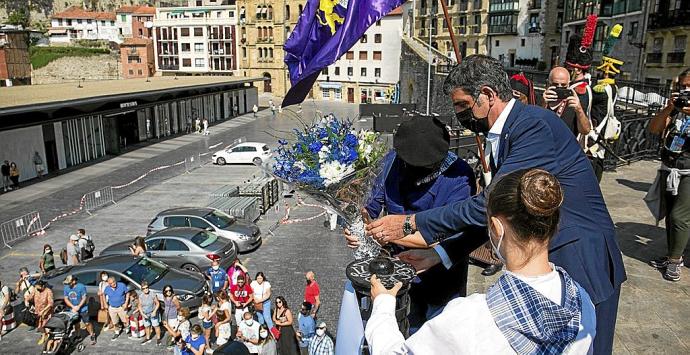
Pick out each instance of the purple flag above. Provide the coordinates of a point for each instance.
(327, 29)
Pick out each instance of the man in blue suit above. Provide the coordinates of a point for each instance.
(521, 137)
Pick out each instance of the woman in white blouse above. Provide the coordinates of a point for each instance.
(534, 307)
(262, 299)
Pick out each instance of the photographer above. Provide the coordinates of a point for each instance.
(562, 100)
(673, 180)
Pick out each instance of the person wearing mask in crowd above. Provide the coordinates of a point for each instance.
(195, 342)
(321, 344)
(47, 261)
(523, 89)
(149, 308)
(672, 185)
(312, 292)
(248, 333)
(171, 309)
(206, 317)
(138, 248)
(418, 175)
(137, 330)
(14, 175)
(262, 299)
(75, 297)
(242, 296)
(73, 251)
(116, 293)
(307, 327)
(6, 176)
(103, 300)
(86, 246)
(7, 321)
(282, 318)
(570, 109)
(182, 329)
(217, 277)
(38, 164)
(223, 328)
(267, 342)
(520, 137)
(236, 271)
(42, 299)
(535, 307)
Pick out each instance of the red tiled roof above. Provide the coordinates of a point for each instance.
(137, 41)
(397, 11)
(139, 10)
(75, 12)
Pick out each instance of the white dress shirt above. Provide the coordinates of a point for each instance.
(494, 135)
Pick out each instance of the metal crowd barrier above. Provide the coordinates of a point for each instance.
(193, 162)
(98, 198)
(21, 227)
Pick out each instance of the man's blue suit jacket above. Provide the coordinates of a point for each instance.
(585, 245)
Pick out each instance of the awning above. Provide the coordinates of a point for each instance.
(330, 85)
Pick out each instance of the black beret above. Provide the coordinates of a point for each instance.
(422, 141)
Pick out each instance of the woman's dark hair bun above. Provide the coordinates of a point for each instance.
(540, 193)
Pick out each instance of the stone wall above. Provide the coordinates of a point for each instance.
(413, 83)
(100, 67)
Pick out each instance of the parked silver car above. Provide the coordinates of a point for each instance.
(189, 286)
(187, 248)
(247, 235)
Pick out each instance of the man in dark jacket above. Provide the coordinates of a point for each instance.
(522, 137)
(6, 176)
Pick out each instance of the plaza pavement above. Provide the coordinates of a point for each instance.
(652, 315)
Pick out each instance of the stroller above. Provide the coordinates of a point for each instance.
(63, 337)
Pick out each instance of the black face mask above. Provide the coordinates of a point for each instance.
(467, 119)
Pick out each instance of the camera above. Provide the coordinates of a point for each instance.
(563, 93)
(683, 100)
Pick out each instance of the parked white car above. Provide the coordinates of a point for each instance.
(243, 153)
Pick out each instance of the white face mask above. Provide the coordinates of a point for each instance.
(249, 322)
(104, 278)
(263, 334)
(180, 318)
(195, 337)
(497, 246)
(47, 251)
(320, 332)
(216, 267)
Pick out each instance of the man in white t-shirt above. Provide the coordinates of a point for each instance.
(249, 333)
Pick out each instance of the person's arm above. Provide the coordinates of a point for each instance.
(288, 318)
(317, 304)
(377, 197)
(267, 294)
(275, 317)
(226, 283)
(156, 305)
(201, 350)
(661, 120)
(250, 300)
(41, 264)
(84, 298)
(583, 122)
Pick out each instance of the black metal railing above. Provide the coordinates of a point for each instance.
(669, 19)
(654, 58)
(675, 57)
(635, 142)
(502, 29)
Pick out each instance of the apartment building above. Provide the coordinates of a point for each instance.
(135, 21)
(198, 38)
(77, 23)
(629, 13)
(667, 41)
(370, 70)
(264, 27)
(516, 30)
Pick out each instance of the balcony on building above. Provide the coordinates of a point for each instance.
(463, 5)
(534, 5)
(654, 58)
(675, 58)
(500, 6)
(502, 29)
(669, 19)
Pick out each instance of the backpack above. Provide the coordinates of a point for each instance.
(87, 252)
(63, 256)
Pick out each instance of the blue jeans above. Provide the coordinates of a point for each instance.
(265, 315)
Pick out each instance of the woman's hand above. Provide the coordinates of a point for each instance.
(377, 288)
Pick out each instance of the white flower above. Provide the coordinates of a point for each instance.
(300, 165)
(323, 153)
(332, 172)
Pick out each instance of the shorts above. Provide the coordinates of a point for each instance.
(206, 325)
(173, 322)
(84, 317)
(154, 320)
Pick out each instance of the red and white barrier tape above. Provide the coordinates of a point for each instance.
(147, 173)
(300, 202)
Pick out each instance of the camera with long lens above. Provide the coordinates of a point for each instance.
(683, 100)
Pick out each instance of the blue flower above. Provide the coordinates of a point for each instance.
(282, 142)
(351, 140)
(315, 147)
(323, 133)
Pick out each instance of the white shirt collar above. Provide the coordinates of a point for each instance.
(497, 128)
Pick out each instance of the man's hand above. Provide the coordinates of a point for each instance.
(377, 288)
(75, 309)
(550, 95)
(387, 229)
(574, 101)
(421, 259)
(352, 241)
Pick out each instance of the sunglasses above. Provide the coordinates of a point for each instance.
(320, 327)
(145, 288)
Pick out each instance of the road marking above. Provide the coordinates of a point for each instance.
(14, 253)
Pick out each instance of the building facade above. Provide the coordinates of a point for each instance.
(264, 27)
(196, 39)
(668, 33)
(469, 21)
(135, 21)
(515, 32)
(15, 64)
(77, 23)
(370, 70)
(552, 26)
(137, 58)
(629, 13)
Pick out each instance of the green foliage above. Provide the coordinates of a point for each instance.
(91, 43)
(41, 56)
(17, 18)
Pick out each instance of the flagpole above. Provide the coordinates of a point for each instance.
(485, 166)
(428, 71)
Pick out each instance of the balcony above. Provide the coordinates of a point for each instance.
(534, 5)
(669, 19)
(502, 29)
(675, 58)
(509, 6)
(462, 6)
(654, 58)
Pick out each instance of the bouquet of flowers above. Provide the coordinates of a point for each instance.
(336, 165)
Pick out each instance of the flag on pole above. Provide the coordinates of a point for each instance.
(325, 30)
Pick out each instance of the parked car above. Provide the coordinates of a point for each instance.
(189, 286)
(243, 153)
(247, 235)
(187, 248)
